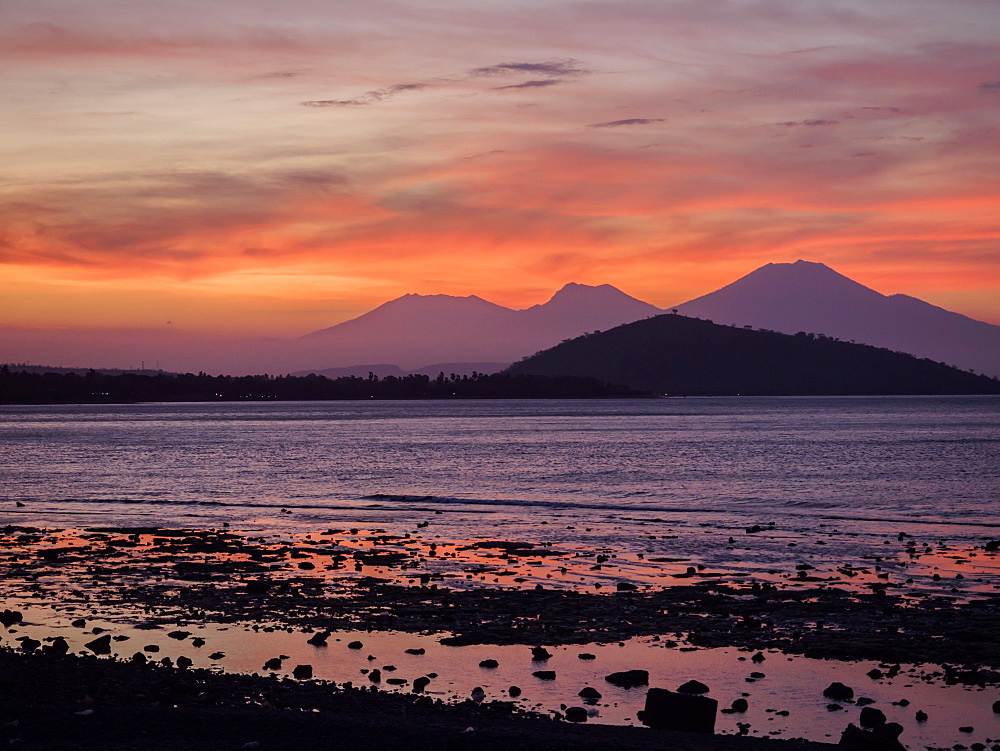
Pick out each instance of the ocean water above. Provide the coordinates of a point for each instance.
(584, 473)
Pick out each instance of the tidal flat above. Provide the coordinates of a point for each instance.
(475, 631)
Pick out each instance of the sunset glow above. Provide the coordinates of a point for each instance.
(255, 167)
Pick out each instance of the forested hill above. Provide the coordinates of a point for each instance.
(71, 388)
(674, 354)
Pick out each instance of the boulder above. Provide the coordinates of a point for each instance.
(318, 639)
(302, 672)
(692, 687)
(838, 692)
(419, 684)
(589, 693)
(514, 692)
(538, 654)
(871, 717)
(628, 678)
(273, 664)
(883, 738)
(59, 646)
(545, 675)
(355, 645)
(9, 617)
(668, 710)
(576, 714)
(101, 645)
(489, 664)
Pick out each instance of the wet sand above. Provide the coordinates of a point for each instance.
(931, 621)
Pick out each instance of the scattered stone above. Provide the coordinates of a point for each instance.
(184, 662)
(587, 656)
(101, 645)
(545, 675)
(666, 710)
(884, 736)
(838, 692)
(921, 715)
(302, 672)
(628, 678)
(151, 648)
(216, 655)
(740, 705)
(375, 676)
(416, 651)
(576, 714)
(589, 692)
(540, 654)
(419, 684)
(355, 645)
(624, 587)
(196, 642)
(692, 687)
(319, 639)
(871, 717)
(59, 646)
(514, 692)
(179, 635)
(478, 694)
(489, 664)
(758, 658)
(966, 729)
(79, 623)
(996, 707)
(273, 664)
(10, 617)
(397, 681)
(864, 701)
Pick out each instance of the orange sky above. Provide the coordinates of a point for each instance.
(249, 166)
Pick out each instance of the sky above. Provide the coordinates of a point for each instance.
(249, 166)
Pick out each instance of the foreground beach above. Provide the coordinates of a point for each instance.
(382, 621)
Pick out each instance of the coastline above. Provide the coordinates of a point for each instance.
(145, 582)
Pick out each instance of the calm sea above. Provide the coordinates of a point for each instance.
(579, 472)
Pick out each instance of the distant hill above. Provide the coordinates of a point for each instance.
(812, 297)
(674, 354)
(415, 329)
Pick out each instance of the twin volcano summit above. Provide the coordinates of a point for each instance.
(415, 330)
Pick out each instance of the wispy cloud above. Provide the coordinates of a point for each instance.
(553, 68)
(628, 121)
(535, 84)
(370, 97)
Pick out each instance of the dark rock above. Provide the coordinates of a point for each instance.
(319, 639)
(489, 664)
(996, 707)
(101, 645)
(628, 678)
(9, 617)
(396, 681)
(59, 646)
(740, 705)
(589, 692)
(30, 645)
(355, 645)
(921, 715)
(79, 623)
(478, 694)
(514, 692)
(576, 714)
(419, 684)
(216, 655)
(302, 672)
(871, 717)
(587, 656)
(966, 729)
(759, 657)
(884, 737)
(184, 662)
(539, 654)
(151, 648)
(375, 676)
(273, 664)
(179, 635)
(258, 586)
(623, 587)
(838, 692)
(874, 674)
(667, 710)
(416, 651)
(864, 701)
(693, 687)
(545, 675)
(197, 642)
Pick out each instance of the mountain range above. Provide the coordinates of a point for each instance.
(442, 333)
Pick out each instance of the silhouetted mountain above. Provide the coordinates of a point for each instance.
(413, 329)
(811, 297)
(673, 354)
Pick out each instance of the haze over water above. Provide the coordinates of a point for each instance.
(566, 472)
